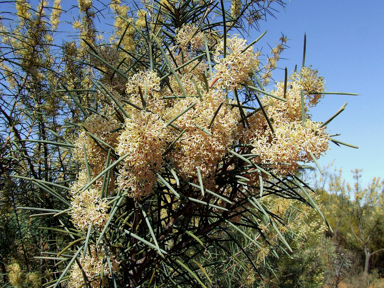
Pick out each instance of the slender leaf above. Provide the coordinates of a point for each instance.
(202, 270)
(111, 215)
(206, 203)
(334, 93)
(191, 272)
(144, 241)
(215, 114)
(265, 114)
(265, 92)
(180, 114)
(253, 42)
(195, 237)
(102, 173)
(225, 28)
(168, 185)
(170, 66)
(169, 148)
(343, 143)
(302, 108)
(67, 268)
(334, 116)
(152, 233)
(317, 164)
(304, 49)
(285, 82)
(87, 239)
(208, 56)
(65, 145)
(200, 181)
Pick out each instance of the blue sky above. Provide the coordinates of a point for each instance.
(345, 42)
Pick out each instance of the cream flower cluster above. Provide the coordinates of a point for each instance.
(202, 146)
(189, 37)
(140, 23)
(103, 129)
(146, 80)
(290, 144)
(89, 208)
(310, 82)
(143, 139)
(121, 11)
(235, 8)
(292, 141)
(234, 69)
(149, 84)
(84, 5)
(55, 15)
(94, 265)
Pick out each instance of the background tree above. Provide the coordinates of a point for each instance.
(363, 214)
(354, 213)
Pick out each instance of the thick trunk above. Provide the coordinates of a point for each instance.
(367, 258)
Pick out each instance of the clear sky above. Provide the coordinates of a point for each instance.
(345, 42)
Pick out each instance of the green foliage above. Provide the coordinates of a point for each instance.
(356, 217)
(292, 256)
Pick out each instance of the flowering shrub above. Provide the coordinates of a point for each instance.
(175, 141)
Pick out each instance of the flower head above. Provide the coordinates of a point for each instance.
(89, 208)
(235, 68)
(94, 264)
(143, 139)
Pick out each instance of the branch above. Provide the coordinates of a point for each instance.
(377, 251)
